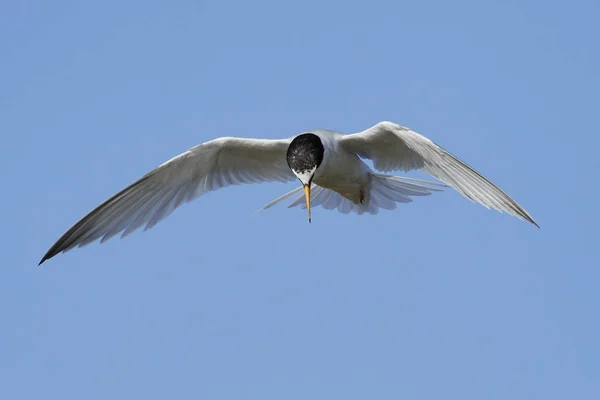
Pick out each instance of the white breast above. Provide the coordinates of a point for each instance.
(340, 170)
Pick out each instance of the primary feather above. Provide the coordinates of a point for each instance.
(394, 147)
(206, 167)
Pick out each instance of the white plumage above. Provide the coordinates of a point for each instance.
(342, 180)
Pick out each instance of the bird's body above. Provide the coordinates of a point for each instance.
(329, 165)
(341, 171)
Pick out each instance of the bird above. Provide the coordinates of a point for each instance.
(330, 166)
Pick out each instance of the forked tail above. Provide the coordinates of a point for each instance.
(386, 191)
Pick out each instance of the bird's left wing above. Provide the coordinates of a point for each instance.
(206, 167)
(394, 147)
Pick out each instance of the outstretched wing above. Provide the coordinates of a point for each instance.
(394, 147)
(206, 167)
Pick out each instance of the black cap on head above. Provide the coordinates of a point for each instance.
(305, 153)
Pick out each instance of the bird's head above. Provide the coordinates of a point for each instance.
(304, 156)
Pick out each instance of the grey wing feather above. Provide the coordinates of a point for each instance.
(206, 167)
(394, 147)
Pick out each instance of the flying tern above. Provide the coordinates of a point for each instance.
(328, 164)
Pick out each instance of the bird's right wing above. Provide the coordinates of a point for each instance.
(395, 147)
(206, 167)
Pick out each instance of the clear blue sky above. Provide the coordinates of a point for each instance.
(439, 299)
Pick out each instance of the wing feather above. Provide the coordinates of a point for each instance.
(209, 166)
(394, 147)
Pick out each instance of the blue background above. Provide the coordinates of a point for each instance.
(439, 299)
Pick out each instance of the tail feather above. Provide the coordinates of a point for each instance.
(314, 192)
(386, 191)
(279, 199)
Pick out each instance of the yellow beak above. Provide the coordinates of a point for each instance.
(307, 195)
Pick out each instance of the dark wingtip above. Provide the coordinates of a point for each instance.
(528, 218)
(46, 257)
(49, 254)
